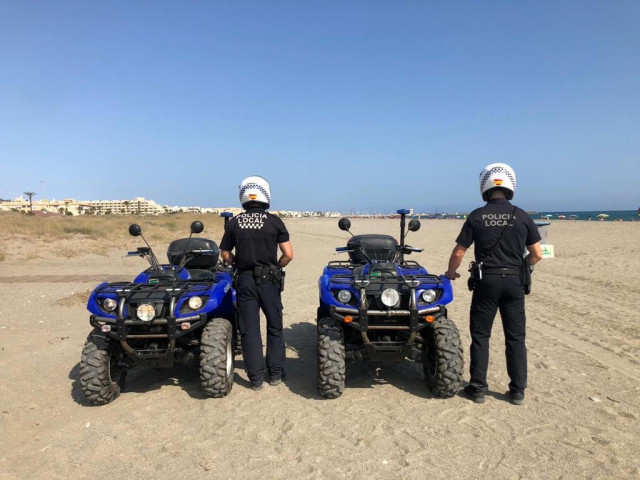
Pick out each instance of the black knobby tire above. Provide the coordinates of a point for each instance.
(331, 358)
(442, 358)
(216, 358)
(100, 377)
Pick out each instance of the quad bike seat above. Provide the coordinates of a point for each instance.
(177, 248)
(377, 247)
(201, 275)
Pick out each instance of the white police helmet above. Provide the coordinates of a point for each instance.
(497, 175)
(255, 189)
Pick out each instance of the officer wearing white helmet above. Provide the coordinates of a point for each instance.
(500, 278)
(256, 236)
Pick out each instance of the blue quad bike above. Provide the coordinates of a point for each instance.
(170, 313)
(381, 306)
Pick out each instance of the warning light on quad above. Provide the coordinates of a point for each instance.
(348, 319)
(430, 318)
(185, 325)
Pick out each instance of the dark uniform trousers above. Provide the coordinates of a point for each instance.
(251, 297)
(493, 292)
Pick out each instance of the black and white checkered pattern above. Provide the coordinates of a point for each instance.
(255, 186)
(254, 226)
(501, 170)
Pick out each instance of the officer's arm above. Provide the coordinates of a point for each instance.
(535, 253)
(454, 262)
(227, 256)
(287, 254)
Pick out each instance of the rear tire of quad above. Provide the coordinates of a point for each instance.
(100, 379)
(216, 358)
(331, 358)
(442, 358)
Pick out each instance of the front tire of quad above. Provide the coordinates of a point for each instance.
(331, 358)
(100, 377)
(216, 358)
(442, 358)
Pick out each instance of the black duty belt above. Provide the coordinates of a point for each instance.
(501, 271)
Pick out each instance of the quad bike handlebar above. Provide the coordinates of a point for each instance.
(393, 254)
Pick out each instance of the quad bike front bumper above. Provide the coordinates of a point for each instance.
(125, 329)
(411, 320)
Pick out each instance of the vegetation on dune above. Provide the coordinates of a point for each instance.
(102, 232)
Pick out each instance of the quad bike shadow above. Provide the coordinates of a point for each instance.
(301, 340)
(142, 379)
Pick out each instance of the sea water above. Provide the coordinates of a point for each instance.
(613, 215)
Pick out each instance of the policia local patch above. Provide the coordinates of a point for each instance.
(497, 219)
(253, 220)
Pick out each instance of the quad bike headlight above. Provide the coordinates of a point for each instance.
(429, 296)
(109, 304)
(344, 296)
(146, 312)
(390, 297)
(195, 303)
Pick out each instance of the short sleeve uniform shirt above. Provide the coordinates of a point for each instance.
(255, 235)
(484, 227)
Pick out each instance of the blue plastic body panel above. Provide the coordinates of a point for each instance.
(219, 293)
(335, 278)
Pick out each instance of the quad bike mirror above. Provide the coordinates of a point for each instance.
(344, 224)
(414, 225)
(135, 230)
(197, 227)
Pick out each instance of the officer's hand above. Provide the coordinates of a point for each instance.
(452, 275)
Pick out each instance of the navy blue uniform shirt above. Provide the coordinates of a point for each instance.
(255, 234)
(484, 227)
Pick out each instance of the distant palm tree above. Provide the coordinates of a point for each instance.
(30, 195)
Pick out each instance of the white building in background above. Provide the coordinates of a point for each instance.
(70, 206)
(135, 206)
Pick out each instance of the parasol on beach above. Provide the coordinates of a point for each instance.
(603, 215)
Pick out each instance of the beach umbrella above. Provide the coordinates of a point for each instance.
(603, 215)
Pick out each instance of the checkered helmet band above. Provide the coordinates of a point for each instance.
(255, 189)
(497, 175)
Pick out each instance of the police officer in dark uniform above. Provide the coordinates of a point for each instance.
(256, 236)
(500, 276)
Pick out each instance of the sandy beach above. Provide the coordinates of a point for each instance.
(580, 420)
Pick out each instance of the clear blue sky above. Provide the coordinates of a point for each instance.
(358, 105)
